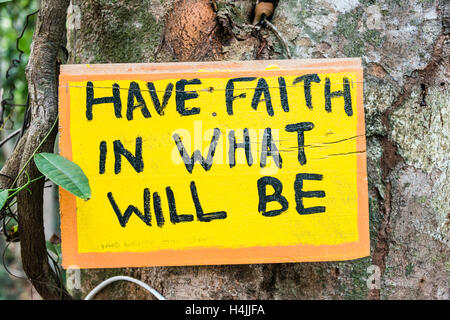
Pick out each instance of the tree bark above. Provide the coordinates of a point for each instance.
(404, 47)
(42, 76)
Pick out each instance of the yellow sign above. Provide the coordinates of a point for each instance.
(215, 163)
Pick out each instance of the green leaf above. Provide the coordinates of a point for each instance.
(3, 197)
(49, 246)
(3, 1)
(55, 248)
(64, 173)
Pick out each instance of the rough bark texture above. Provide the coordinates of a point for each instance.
(404, 46)
(42, 76)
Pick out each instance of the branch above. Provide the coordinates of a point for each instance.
(42, 76)
(12, 165)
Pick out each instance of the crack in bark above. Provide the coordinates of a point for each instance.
(390, 157)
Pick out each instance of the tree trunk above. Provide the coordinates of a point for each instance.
(404, 46)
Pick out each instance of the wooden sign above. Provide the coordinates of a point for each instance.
(215, 163)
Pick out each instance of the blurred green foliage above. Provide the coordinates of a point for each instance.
(12, 21)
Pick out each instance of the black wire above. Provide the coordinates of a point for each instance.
(58, 273)
(6, 176)
(14, 64)
(61, 288)
(12, 135)
(5, 213)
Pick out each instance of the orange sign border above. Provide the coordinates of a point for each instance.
(209, 256)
